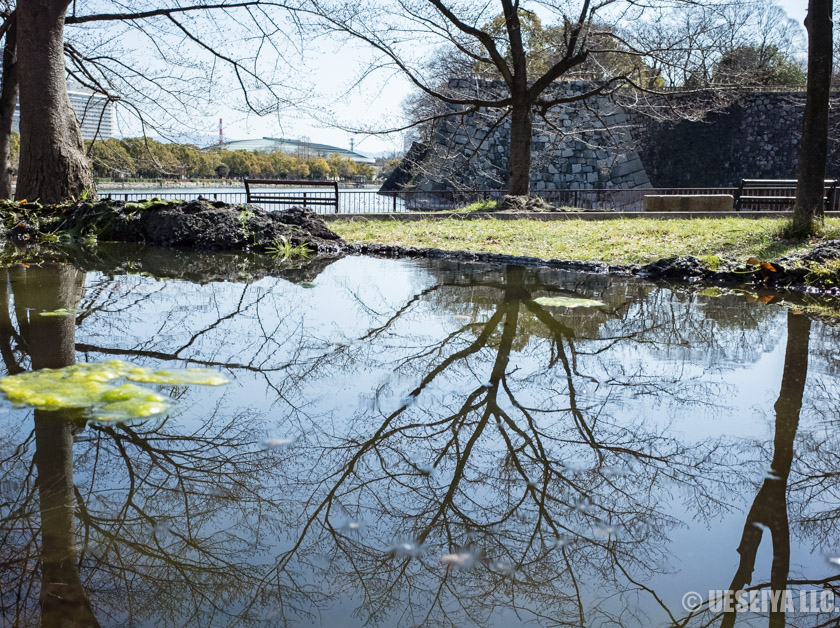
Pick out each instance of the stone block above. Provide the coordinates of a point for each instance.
(623, 169)
(641, 178)
(689, 203)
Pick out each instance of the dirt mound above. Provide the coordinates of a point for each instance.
(824, 252)
(521, 204)
(195, 224)
(525, 204)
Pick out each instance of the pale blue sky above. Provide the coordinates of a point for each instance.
(379, 104)
(795, 8)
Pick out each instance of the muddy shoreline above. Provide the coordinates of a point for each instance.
(786, 274)
(205, 225)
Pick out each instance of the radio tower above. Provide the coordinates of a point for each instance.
(221, 133)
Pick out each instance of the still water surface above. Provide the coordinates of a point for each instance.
(414, 443)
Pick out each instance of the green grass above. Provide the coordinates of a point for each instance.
(620, 241)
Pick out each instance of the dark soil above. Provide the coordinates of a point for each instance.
(196, 224)
(802, 274)
(824, 252)
(531, 204)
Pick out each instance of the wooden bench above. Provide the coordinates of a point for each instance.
(776, 193)
(277, 196)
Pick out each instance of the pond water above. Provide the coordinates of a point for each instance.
(413, 443)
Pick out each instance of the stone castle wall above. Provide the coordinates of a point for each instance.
(602, 145)
(578, 148)
(757, 137)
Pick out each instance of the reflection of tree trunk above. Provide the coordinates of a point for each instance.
(50, 342)
(770, 505)
(7, 330)
(508, 314)
(63, 598)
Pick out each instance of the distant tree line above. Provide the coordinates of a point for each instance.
(146, 158)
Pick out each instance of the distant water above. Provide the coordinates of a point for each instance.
(351, 200)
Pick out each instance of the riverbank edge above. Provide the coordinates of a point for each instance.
(796, 275)
(221, 226)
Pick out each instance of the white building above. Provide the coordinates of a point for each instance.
(95, 113)
(300, 148)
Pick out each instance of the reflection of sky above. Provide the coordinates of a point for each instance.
(318, 356)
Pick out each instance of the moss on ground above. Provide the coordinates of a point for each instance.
(619, 241)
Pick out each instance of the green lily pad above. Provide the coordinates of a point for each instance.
(568, 302)
(62, 311)
(95, 386)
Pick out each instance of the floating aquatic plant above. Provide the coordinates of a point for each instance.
(96, 387)
(60, 312)
(569, 302)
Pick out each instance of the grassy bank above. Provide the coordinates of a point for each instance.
(623, 241)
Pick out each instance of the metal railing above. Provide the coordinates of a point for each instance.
(373, 202)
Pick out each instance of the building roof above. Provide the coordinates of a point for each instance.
(294, 147)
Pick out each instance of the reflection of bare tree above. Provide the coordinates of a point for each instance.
(777, 495)
(770, 505)
(532, 487)
(149, 544)
(503, 469)
(50, 343)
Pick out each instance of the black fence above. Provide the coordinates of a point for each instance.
(373, 202)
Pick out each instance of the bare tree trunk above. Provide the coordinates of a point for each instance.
(53, 165)
(813, 151)
(519, 161)
(8, 100)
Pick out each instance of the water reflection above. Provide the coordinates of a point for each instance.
(413, 444)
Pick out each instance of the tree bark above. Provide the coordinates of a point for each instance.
(53, 165)
(519, 161)
(8, 100)
(813, 151)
